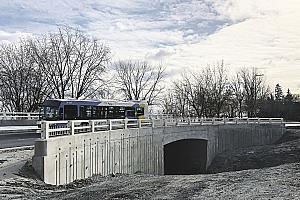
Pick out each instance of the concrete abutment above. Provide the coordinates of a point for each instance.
(61, 160)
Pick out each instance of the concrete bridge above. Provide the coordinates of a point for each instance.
(70, 150)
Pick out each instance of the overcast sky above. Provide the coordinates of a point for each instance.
(180, 34)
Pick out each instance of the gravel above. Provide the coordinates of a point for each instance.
(260, 172)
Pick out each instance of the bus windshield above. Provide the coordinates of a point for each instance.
(50, 113)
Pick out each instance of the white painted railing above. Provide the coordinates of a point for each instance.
(160, 116)
(59, 128)
(18, 116)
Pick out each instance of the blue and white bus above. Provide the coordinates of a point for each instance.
(73, 109)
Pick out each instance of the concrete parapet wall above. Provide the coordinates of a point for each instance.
(22, 122)
(61, 160)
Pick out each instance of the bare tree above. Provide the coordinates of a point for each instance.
(190, 93)
(204, 93)
(74, 63)
(181, 102)
(63, 64)
(139, 80)
(255, 90)
(168, 103)
(23, 83)
(208, 93)
(238, 91)
(92, 59)
(218, 91)
(195, 93)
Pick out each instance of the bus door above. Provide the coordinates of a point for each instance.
(70, 112)
(130, 113)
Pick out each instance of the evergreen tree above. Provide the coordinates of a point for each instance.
(289, 97)
(278, 93)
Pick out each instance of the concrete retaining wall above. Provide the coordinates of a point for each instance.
(61, 160)
(67, 158)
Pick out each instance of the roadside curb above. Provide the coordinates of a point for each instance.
(16, 148)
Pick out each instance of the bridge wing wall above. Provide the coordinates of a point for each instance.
(229, 137)
(225, 137)
(61, 160)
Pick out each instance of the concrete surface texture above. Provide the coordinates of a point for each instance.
(61, 160)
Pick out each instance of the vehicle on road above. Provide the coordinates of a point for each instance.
(74, 109)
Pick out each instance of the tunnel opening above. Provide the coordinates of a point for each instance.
(185, 157)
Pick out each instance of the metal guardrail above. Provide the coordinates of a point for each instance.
(60, 128)
(18, 116)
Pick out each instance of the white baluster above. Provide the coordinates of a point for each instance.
(71, 126)
(92, 125)
(125, 123)
(153, 123)
(45, 130)
(110, 124)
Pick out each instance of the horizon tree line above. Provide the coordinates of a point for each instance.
(281, 105)
(211, 92)
(70, 64)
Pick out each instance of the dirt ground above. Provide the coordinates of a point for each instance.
(11, 160)
(260, 172)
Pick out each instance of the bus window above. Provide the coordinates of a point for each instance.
(50, 113)
(104, 112)
(85, 112)
(96, 112)
(121, 113)
(118, 113)
(82, 112)
(88, 112)
(111, 112)
(70, 112)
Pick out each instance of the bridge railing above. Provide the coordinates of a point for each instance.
(18, 116)
(54, 129)
(160, 116)
(61, 128)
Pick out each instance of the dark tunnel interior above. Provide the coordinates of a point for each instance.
(185, 157)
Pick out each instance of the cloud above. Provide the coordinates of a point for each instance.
(270, 41)
(160, 54)
(182, 34)
(8, 37)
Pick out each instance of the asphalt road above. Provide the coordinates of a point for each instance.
(9, 140)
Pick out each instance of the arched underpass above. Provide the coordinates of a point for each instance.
(186, 156)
